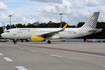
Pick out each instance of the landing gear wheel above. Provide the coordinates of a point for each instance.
(49, 42)
(21, 40)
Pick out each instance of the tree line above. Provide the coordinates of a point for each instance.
(50, 24)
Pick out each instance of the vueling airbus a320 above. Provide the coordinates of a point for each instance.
(43, 34)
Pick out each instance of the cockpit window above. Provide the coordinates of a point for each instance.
(7, 31)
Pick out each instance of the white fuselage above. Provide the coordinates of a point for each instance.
(54, 33)
(26, 33)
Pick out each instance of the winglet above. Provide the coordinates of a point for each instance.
(65, 26)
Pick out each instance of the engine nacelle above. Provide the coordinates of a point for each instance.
(37, 39)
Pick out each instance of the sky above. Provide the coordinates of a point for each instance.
(30, 11)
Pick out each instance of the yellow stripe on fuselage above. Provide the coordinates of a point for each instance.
(33, 29)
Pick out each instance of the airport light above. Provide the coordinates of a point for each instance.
(61, 19)
(10, 20)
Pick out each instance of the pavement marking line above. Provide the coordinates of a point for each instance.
(21, 48)
(70, 51)
(55, 55)
(7, 59)
(21, 68)
(32, 51)
(103, 66)
(80, 53)
(1, 54)
(84, 54)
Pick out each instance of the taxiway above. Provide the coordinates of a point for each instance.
(55, 56)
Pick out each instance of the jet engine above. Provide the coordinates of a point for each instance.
(37, 39)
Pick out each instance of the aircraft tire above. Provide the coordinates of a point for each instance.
(49, 42)
(21, 40)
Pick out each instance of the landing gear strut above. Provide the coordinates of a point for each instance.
(49, 42)
(14, 41)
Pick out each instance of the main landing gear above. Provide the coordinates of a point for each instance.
(49, 42)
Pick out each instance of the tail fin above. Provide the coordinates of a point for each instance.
(4, 28)
(92, 21)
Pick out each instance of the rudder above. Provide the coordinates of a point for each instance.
(92, 21)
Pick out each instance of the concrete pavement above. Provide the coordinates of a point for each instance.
(29, 56)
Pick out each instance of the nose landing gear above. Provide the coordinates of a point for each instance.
(14, 41)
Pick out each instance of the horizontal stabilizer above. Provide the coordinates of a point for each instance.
(96, 30)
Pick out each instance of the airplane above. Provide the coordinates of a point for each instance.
(43, 34)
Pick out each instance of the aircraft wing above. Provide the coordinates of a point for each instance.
(49, 34)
